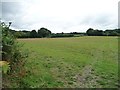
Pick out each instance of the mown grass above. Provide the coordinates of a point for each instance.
(83, 62)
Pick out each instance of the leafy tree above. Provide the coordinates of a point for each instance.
(33, 34)
(90, 31)
(115, 32)
(23, 34)
(44, 32)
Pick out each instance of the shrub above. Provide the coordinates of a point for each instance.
(13, 54)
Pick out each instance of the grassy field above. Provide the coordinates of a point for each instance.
(83, 62)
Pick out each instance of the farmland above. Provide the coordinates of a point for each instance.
(83, 62)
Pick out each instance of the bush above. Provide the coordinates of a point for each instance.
(13, 54)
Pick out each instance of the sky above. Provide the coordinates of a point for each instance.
(61, 15)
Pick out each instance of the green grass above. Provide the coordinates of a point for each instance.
(83, 62)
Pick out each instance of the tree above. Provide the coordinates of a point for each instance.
(44, 32)
(33, 34)
(115, 32)
(98, 33)
(90, 32)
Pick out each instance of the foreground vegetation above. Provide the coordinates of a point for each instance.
(13, 59)
(83, 62)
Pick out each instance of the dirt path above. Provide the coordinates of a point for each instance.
(87, 79)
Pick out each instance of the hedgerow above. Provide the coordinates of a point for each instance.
(13, 54)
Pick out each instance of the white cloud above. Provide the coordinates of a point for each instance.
(65, 15)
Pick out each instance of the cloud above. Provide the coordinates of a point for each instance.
(10, 10)
(61, 15)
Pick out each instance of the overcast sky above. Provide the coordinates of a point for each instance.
(61, 15)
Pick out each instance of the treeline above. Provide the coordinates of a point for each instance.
(41, 33)
(57, 35)
(44, 32)
(92, 32)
